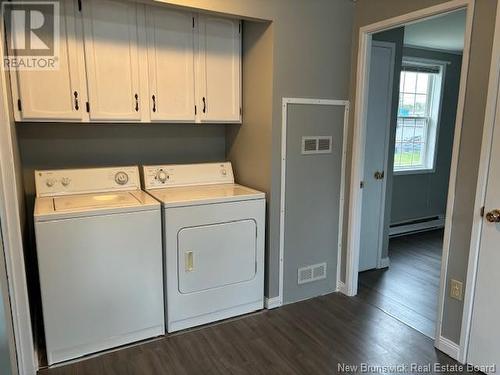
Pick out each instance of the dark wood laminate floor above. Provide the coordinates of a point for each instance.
(309, 337)
(409, 288)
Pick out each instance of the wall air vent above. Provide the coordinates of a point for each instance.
(311, 273)
(316, 145)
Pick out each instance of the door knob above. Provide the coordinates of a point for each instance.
(379, 175)
(493, 216)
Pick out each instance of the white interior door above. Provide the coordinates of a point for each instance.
(58, 94)
(376, 153)
(484, 348)
(219, 69)
(170, 37)
(111, 53)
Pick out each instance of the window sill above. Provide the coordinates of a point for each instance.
(404, 172)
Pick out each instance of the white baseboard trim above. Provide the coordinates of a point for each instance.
(384, 263)
(416, 227)
(341, 287)
(448, 347)
(272, 303)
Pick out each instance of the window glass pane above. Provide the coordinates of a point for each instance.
(420, 108)
(406, 154)
(410, 82)
(411, 138)
(419, 134)
(417, 155)
(421, 122)
(407, 105)
(422, 83)
(399, 132)
(408, 133)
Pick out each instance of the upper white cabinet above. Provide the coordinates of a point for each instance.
(112, 59)
(219, 69)
(123, 61)
(170, 39)
(55, 95)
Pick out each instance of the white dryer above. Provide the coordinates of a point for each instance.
(99, 253)
(213, 239)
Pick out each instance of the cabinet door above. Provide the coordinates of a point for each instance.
(112, 60)
(54, 95)
(219, 70)
(170, 36)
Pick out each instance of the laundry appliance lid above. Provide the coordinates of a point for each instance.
(91, 201)
(204, 194)
(82, 205)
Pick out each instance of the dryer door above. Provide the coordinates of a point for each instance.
(211, 256)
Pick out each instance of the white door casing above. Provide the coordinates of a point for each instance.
(170, 36)
(357, 174)
(376, 153)
(218, 76)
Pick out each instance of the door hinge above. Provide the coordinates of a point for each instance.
(195, 110)
(87, 105)
(193, 22)
(79, 5)
(361, 184)
(241, 111)
(239, 28)
(482, 211)
(19, 106)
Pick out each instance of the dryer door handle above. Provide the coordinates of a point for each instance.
(189, 263)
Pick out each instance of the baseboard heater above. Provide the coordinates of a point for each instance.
(417, 225)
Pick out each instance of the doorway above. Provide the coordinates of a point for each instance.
(400, 215)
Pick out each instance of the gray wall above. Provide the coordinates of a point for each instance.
(312, 199)
(416, 196)
(395, 36)
(311, 58)
(248, 146)
(49, 146)
(368, 12)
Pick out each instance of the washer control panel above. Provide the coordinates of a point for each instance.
(90, 180)
(157, 176)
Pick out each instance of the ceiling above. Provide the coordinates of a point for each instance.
(442, 33)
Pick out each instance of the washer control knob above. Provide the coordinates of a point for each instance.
(223, 172)
(121, 178)
(162, 176)
(50, 182)
(65, 181)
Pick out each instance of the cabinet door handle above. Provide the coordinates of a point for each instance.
(204, 105)
(136, 102)
(154, 103)
(77, 106)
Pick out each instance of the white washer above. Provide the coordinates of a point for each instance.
(100, 260)
(213, 239)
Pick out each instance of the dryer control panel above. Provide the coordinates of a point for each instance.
(59, 182)
(159, 176)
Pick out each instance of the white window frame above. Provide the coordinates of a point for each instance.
(434, 117)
